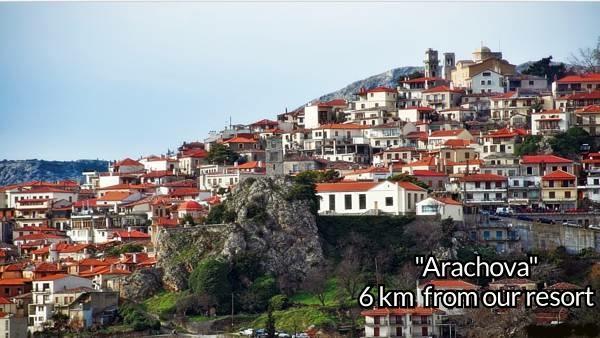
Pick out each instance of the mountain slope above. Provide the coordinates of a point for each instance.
(388, 79)
(28, 170)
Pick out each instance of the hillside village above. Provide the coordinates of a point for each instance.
(511, 159)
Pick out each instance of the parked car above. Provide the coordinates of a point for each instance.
(594, 226)
(525, 218)
(571, 224)
(247, 332)
(494, 218)
(283, 335)
(545, 221)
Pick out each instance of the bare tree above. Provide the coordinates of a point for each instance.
(349, 272)
(315, 282)
(588, 59)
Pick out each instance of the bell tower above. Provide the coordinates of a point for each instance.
(432, 64)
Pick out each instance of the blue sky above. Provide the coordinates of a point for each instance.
(108, 80)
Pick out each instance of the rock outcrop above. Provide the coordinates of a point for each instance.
(141, 284)
(268, 224)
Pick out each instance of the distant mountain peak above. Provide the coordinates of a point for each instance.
(388, 78)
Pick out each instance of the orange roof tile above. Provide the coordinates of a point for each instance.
(240, 139)
(447, 200)
(345, 186)
(536, 159)
(589, 77)
(558, 175)
(114, 196)
(446, 133)
(483, 178)
(52, 277)
(410, 186)
(451, 284)
(341, 126)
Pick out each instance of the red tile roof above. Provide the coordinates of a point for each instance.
(536, 159)
(447, 200)
(113, 196)
(195, 152)
(52, 277)
(420, 135)
(420, 109)
(240, 139)
(133, 234)
(451, 284)
(428, 173)
(250, 165)
(506, 95)
(182, 192)
(159, 173)
(341, 126)
(333, 103)
(382, 89)
(443, 88)
(345, 186)
(190, 206)
(264, 123)
(457, 143)
(128, 162)
(590, 77)
(446, 133)
(483, 178)
(589, 109)
(558, 175)
(14, 281)
(410, 186)
(38, 236)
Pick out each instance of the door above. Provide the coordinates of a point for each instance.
(425, 331)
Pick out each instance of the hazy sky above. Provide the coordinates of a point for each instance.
(108, 80)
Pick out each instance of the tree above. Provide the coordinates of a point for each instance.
(530, 146)
(404, 177)
(256, 298)
(545, 68)
(568, 144)
(304, 188)
(220, 153)
(210, 277)
(587, 59)
(270, 327)
(315, 282)
(349, 272)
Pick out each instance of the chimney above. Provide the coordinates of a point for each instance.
(135, 257)
(128, 229)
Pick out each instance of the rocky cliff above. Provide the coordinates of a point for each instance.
(265, 222)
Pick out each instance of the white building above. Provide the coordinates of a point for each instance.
(41, 308)
(355, 198)
(550, 122)
(324, 112)
(379, 97)
(403, 322)
(487, 81)
(442, 207)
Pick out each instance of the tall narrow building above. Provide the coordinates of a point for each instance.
(449, 65)
(432, 64)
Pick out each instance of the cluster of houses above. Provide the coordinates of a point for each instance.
(442, 144)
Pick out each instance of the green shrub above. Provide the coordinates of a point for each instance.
(279, 302)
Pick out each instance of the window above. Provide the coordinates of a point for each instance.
(331, 202)
(498, 234)
(552, 194)
(389, 201)
(567, 194)
(429, 208)
(486, 235)
(348, 202)
(362, 201)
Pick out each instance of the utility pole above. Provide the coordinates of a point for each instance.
(232, 312)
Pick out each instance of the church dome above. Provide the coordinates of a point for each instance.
(483, 49)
